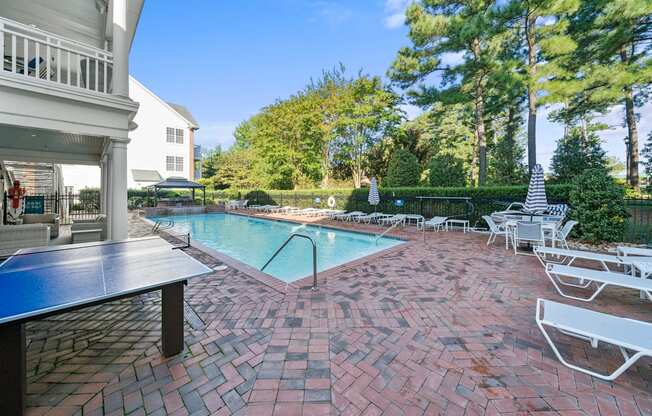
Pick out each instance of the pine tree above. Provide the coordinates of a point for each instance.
(438, 29)
(576, 152)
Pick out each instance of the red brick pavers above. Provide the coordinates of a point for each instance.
(444, 326)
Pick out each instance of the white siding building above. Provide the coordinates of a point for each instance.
(162, 145)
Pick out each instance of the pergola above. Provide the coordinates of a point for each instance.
(178, 183)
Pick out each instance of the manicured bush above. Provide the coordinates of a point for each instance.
(403, 170)
(446, 170)
(598, 205)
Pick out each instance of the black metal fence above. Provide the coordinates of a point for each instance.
(70, 207)
(638, 227)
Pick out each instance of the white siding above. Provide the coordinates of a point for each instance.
(149, 147)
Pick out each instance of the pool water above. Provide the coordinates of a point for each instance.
(254, 240)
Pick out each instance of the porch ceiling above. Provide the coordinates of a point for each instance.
(24, 144)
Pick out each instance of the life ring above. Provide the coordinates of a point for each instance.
(331, 202)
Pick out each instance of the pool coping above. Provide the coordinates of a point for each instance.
(302, 282)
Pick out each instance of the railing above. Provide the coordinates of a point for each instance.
(70, 207)
(39, 55)
(314, 256)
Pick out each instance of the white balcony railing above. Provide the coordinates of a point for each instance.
(45, 57)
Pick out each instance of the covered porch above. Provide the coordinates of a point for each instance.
(29, 145)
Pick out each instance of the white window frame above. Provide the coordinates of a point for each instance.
(179, 136)
(179, 163)
(170, 163)
(170, 135)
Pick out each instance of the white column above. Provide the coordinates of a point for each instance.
(120, 49)
(117, 196)
(103, 183)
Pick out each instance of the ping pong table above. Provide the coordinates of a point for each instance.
(37, 283)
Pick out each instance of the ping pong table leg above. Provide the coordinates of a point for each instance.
(13, 369)
(172, 311)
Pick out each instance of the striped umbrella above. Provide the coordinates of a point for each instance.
(536, 194)
(374, 198)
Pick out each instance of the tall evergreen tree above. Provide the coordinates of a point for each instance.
(438, 29)
(540, 29)
(611, 65)
(578, 151)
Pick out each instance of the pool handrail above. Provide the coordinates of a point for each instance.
(314, 255)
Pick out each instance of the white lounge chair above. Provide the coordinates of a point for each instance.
(625, 251)
(496, 230)
(393, 220)
(567, 257)
(15, 237)
(373, 217)
(349, 216)
(437, 223)
(586, 277)
(627, 334)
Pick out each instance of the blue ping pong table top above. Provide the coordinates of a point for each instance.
(34, 283)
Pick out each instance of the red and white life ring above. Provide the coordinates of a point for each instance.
(332, 202)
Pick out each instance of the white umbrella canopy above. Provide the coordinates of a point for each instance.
(536, 194)
(374, 197)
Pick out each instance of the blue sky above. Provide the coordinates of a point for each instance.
(225, 60)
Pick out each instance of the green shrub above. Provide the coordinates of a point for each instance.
(446, 170)
(403, 170)
(598, 205)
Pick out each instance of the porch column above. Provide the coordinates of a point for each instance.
(117, 196)
(104, 184)
(120, 49)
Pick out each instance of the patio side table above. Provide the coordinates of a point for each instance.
(454, 221)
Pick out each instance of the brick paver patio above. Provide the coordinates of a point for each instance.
(444, 326)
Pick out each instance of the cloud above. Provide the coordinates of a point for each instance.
(395, 13)
(332, 13)
(216, 133)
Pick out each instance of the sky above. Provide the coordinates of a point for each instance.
(225, 60)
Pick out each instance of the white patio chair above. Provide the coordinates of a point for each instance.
(373, 217)
(627, 334)
(393, 220)
(562, 234)
(495, 231)
(437, 223)
(528, 232)
(584, 278)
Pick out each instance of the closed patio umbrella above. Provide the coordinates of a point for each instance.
(536, 194)
(374, 197)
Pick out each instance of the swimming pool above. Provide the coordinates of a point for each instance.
(254, 240)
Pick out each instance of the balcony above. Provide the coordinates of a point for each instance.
(45, 58)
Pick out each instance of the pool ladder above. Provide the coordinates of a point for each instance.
(314, 256)
(162, 225)
(381, 235)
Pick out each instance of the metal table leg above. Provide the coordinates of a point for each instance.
(13, 369)
(172, 325)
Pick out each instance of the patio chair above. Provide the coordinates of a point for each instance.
(437, 223)
(349, 216)
(373, 217)
(567, 257)
(559, 210)
(628, 335)
(584, 278)
(561, 235)
(528, 232)
(495, 231)
(393, 220)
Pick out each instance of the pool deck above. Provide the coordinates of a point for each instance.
(444, 326)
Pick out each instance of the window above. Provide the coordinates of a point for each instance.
(173, 135)
(169, 135)
(174, 163)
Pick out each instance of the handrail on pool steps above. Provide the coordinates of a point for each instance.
(314, 256)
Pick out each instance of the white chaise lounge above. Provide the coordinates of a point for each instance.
(567, 257)
(633, 338)
(584, 278)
